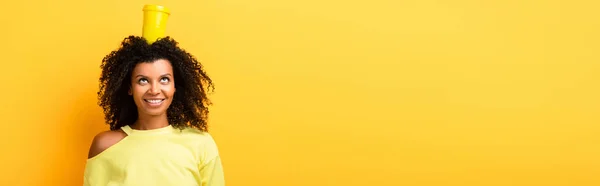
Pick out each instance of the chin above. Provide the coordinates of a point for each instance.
(153, 112)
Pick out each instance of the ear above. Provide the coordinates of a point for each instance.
(129, 91)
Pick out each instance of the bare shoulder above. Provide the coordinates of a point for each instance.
(104, 140)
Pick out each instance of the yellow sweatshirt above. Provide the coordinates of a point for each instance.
(159, 157)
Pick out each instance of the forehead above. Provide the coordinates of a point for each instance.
(156, 68)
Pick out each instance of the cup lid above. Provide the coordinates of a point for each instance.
(159, 8)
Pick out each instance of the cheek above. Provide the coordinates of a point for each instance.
(169, 90)
(137, 91)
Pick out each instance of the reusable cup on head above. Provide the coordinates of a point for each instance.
(155, 22)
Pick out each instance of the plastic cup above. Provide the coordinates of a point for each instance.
(155, 22)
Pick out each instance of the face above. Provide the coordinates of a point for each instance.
(152, 87)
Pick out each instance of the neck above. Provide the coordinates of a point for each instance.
(150, 122)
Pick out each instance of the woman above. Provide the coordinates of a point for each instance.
(154, 99)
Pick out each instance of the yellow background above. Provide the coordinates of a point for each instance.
(312, 92)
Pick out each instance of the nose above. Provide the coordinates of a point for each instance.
(154, 89)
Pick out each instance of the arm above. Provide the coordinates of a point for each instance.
(211, 169)
(212, 173)
(97, 171)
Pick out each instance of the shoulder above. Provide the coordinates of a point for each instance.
(203, 137)
(202, 141)
(197, 134)
(104, 140)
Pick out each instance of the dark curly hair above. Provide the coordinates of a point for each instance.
(190, 102)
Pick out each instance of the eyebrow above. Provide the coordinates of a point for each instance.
(167, 74)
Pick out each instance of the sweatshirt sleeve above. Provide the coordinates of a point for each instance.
(211, 169)
(95, 173)
(212, 173)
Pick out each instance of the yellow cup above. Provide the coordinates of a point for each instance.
(155, 22)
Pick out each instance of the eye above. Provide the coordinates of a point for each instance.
(164, 79)
(143, 80)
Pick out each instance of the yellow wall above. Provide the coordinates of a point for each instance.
(379, 92)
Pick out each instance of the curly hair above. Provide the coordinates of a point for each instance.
(190, 102)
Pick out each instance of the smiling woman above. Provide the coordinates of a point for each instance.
(152, 87)
(147, 91)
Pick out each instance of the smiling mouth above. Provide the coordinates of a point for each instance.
(154, 101)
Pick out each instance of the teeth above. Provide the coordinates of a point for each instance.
(154, 100)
